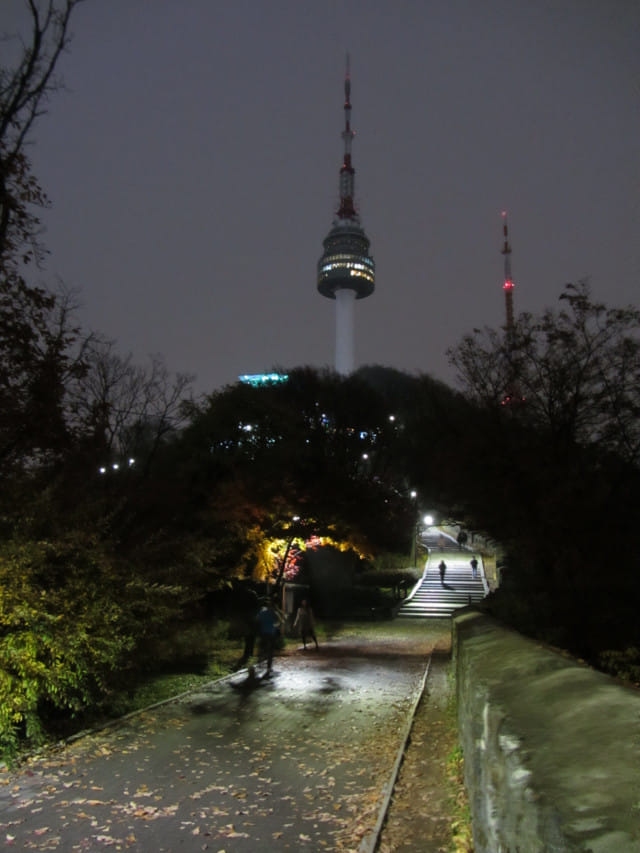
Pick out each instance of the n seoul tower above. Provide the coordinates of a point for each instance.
(346, 270)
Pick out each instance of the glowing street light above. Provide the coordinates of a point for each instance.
(115, 466)
(414, 544)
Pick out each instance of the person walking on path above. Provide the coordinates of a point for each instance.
(269, 631)
(443, 569)
(248, 618)
(474, 567)
(305, 623)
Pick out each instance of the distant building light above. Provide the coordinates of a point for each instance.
(258, 380)
(103, 470)
(115, 466)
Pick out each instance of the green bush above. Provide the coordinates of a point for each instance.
(371, 596)
(389, 578)
(188, 645)
(622, 664)
(70, 619)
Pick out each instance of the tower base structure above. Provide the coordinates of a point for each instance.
(345, 351)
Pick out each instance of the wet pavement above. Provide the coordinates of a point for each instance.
(295, 761)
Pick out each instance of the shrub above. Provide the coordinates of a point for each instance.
(390, 578)
(622, 664)
(70, 618)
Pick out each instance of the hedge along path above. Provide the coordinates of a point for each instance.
(299, 760)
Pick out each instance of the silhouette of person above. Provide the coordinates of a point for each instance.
(443, 569)
(305, 622)
(474, 567)
(269, 630)
(249, 612)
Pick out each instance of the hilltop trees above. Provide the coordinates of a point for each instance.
(315, 448)
(556, 474)
(577, 368)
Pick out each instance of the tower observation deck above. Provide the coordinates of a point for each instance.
(346, 270)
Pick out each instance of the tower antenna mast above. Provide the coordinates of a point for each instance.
(347, 208)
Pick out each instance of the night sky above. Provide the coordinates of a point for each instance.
(192, 164)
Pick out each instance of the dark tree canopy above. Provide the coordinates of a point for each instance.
(37, 338)
(555, 476)
(577, 369)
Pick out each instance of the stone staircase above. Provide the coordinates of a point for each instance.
(429, 599)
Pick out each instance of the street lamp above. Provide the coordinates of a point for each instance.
(414, 536)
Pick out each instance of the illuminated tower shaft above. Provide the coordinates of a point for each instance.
(508, 281)
(346, 270)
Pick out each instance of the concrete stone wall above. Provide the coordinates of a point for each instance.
(551, 747)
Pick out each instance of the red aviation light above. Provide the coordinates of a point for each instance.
(508, 285)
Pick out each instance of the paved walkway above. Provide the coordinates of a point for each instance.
(297, 761)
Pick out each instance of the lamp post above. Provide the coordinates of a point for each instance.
(414, 534)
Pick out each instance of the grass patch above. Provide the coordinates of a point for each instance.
(199, 655)
(461, 832)
(382, 629)
(162, 686)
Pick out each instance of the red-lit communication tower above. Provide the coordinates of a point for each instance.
(508, 281)
(513, 395)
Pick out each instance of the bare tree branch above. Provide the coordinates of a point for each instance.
(24, 91)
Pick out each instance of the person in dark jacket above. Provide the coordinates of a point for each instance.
(268, 631)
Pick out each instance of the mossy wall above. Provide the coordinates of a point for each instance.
(551, 747)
